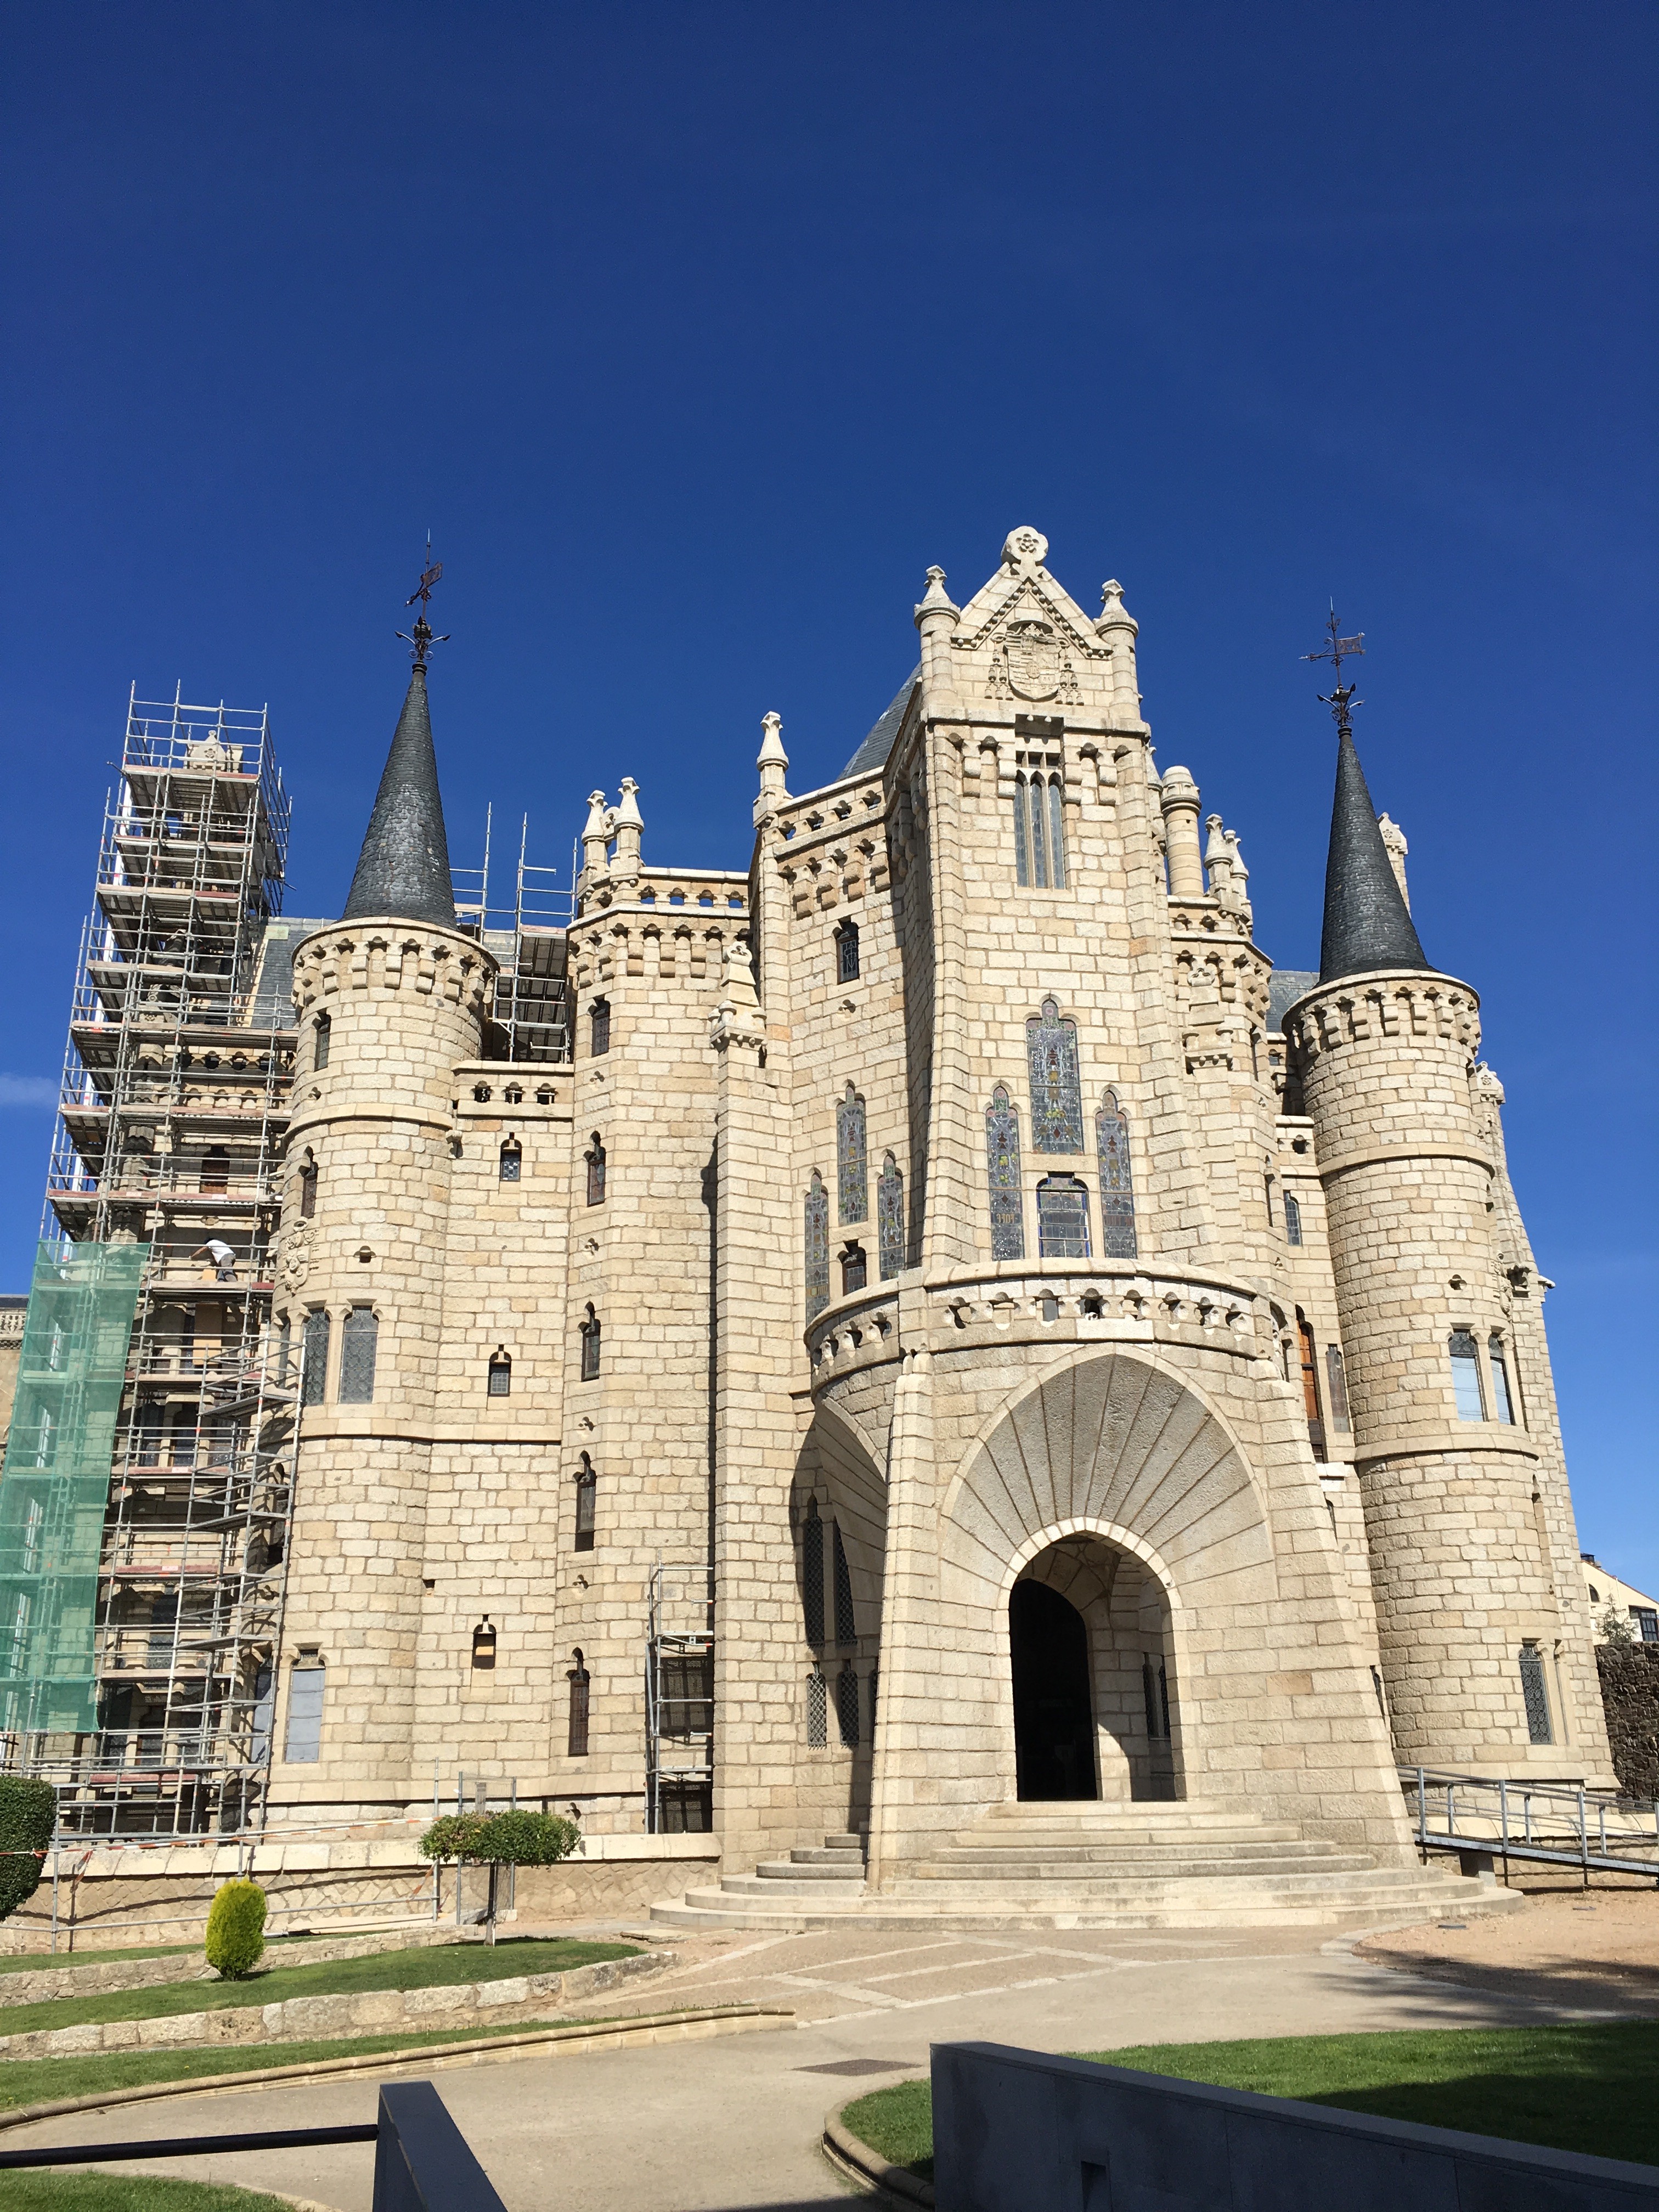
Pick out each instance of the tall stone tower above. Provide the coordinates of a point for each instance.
(1466, 1517)
(388, 1000)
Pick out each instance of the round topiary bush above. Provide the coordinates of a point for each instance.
(28, 1813)
(236, 1930)
(529, 1839)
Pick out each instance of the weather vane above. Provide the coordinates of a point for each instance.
(1340, 698)
(420, 636)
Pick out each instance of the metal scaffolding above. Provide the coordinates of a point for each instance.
(174, 1102)
(680, 1698)
(530, 1015)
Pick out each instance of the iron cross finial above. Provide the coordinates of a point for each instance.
(1340, 698)
(421, 636)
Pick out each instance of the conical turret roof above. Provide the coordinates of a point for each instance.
(404, 867)
(1367, 925)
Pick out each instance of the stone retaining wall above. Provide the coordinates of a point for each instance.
(1630, 1698)
(93, 1976)
(368, 2012)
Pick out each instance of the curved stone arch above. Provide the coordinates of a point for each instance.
(835, 1463)
(1112, 1437)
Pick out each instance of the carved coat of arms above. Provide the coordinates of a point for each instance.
(1036, 665)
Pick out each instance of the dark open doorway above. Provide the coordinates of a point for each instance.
(1053, 1713)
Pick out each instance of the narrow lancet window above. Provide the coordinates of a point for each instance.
(1502, 1408)
(307, 1188)
(1466, 1376)
(846, 1625)
(576, 1733)
(890, 1218)
(1292, 1219)
(321, 1031)
(587, 1491)
(590, 1336)
(846, 953)
(1039, 831)
(358, 1337)
(852, 1158)
(1337, 1378)
(812, 1573)
(1056, 835)
(1536, 1696)
(1021, 835)
(499, 1374)
(818, 1711)
(1002, 1165)
(303, 1744)
(1056, 1089)
(1117, 1191)
(511, 1161)
(595, 1157)
(1062, 1217)
(818, 1246)
(847, 1704)
(598, 1016)
(1310, 1384)
(313, 1358)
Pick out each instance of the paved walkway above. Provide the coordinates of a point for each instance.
(733, 2125)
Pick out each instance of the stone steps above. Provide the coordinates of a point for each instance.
(1090, 1866)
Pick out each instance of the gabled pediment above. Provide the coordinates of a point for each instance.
(1026, 637)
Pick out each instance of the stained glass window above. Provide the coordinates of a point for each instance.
(818, 1710)
(890, 1218)
(1536, 1696)
(1292, 1219)
(852, 1158)
(1117, 1190)
(1502, 1408)
(1056, 1092)
(818, 1246)
(1002, 1162)
(1062, 1219)
(847, 1705)
(846, 1626)
(812, 1573)
(1466, 1376)
(313, 1358)
(358, 1338)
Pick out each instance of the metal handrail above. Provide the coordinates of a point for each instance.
(1554, 1823)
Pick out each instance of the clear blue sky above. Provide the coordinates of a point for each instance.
(695, 334)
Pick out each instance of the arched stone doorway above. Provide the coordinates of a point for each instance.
(1053, 1711)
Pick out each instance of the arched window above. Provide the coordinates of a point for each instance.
(1056, 1092)
(546, 1096)
(1062, 1217)
(1466, 1376)
(482, 1094)
(818, 1710)
(590, 1334)
(511, 1161)
(812, 1573)
(1310, 1384)
(855, 1269)
(1293, 1220)
(320, 1031)
(852, 1158)
(500, 1378)
(1002, 1172)
(1117, 1190)
(1502, 1408)
(1535, 1695)
(358, 1339)
(598, 1016)
(215, 1168)
(587, 1488)
(889, 1218)
(818, 1246)
(483, 1648)
(513, 1095)
(1337, 1380)
(595, 1159)
(847, 1704)
(307, 1187)
(313, 1358)
(1039, 831)
(846, 953)
(846, 1625)
(576, 1734)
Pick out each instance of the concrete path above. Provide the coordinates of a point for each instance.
(734, 2123)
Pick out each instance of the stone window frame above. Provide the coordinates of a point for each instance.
(595, 1157)
(1292, 1219)
(509, 1161)
(1040, 855)
(322, 1035)
(587, 1492)
(1505, 1409)
(580, 1715)
(1535, 1693)
(598, 1033)
(360, 1339)
(1050, 1216)
(855, 1269)
(590, 1333)
(846, 934)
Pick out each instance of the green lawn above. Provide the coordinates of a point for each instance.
(45, 2081)
(1587, 2088)
(36, 1962)
(439, 1966)
(120, 2192)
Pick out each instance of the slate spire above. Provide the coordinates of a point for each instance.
(402, 869)
(1367, 925)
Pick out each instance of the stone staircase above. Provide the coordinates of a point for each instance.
(1085, 1865)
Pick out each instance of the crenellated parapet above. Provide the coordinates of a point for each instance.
(1366, 1010)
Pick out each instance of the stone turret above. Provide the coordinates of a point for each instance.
(388, 1000)
(1385, 1046)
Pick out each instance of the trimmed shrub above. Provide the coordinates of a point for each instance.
(506, 1838)
(28, 1812)
(236, 1930)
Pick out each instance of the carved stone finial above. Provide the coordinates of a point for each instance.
(1114, 614)
(771, 750)
(936, 600)
(627, 815)
(1026, 549)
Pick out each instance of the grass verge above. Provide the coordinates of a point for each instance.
(437, 1966)
(45, 2081)
(44, 1962)
(1580, 2089)
(122, 2192)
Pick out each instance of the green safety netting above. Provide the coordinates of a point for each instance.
(56, 1479)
